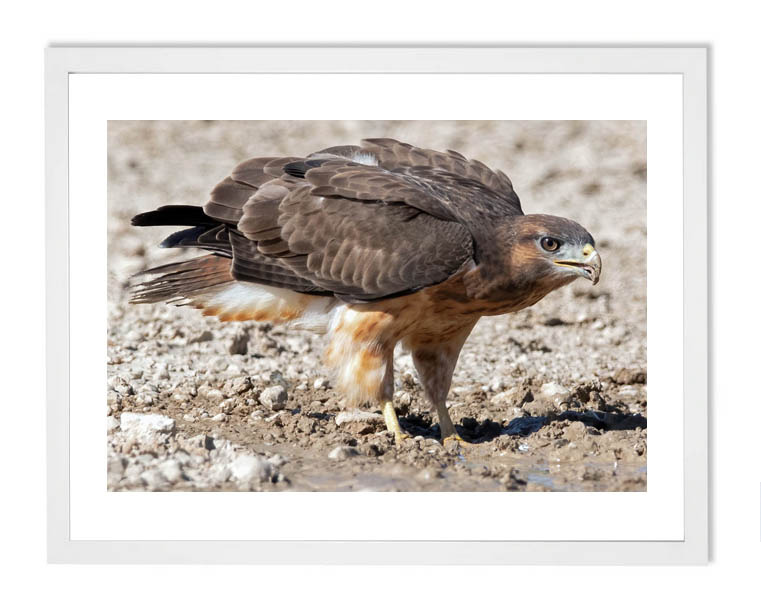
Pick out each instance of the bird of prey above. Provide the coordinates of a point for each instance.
(373, 245)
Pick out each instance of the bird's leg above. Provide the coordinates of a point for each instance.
(392, 422)
(387, 400)
(448, 432)
(435, 365)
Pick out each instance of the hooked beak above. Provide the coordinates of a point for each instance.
(589, 266)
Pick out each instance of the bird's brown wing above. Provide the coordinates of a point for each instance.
(283, 233)
(360, 222)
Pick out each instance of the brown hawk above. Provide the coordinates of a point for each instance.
(374, 245)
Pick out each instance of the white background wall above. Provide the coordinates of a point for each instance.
(736, 555)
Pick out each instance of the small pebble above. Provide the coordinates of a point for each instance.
(146, 427)
(239, 344)
(321, 383)
(171, 470)
(240, 385)
(153, 479)
(402, 399)
(227, 406)
(248, 468)
(112, 423)
(214, 395)
(274, 397)
(204, 336)
(553, 389)
(342, 452)
(356, 416)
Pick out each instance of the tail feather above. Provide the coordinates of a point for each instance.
(235, 282)
(207, 284)
(182, 280)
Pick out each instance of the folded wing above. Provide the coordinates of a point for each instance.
(359, 222)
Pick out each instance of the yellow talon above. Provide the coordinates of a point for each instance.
(457, 438)
(392, 422)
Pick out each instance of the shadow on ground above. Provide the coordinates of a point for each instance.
(487, 430)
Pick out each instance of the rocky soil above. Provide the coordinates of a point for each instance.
(552, 398)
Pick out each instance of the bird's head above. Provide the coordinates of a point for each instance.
(536, 255)
(551, 248)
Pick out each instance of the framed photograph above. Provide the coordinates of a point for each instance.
(377, 305)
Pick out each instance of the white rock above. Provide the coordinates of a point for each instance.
(214, 395)
(147, 459)
(145, 399)
(182, 457)
(240, 385)
(553, 389)
(219, 473)
(171, 470)
(356, 416)
(222, 444)
(274, 397)
(402, 398)
(277, 460)
(342, 452)
(112, 424)
(145, 428)
(505, 396)
(115, 469)
(153, 479)
(321, 383)
(628, 391)
(496, 385)
(248, 468)
(221, 417)
(133, 472)
(133, 337)
(123, 387)
(227, 406)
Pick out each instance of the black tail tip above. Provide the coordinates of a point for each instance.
(140, 219)
(174, 215)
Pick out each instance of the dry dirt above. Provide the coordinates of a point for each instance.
(553, 397)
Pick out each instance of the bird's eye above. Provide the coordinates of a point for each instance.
(550, 244)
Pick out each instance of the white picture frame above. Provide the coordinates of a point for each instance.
(690, 63)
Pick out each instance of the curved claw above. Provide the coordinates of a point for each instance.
(457, 438)
(400, 437)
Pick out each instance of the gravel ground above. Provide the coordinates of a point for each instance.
(553, 397)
